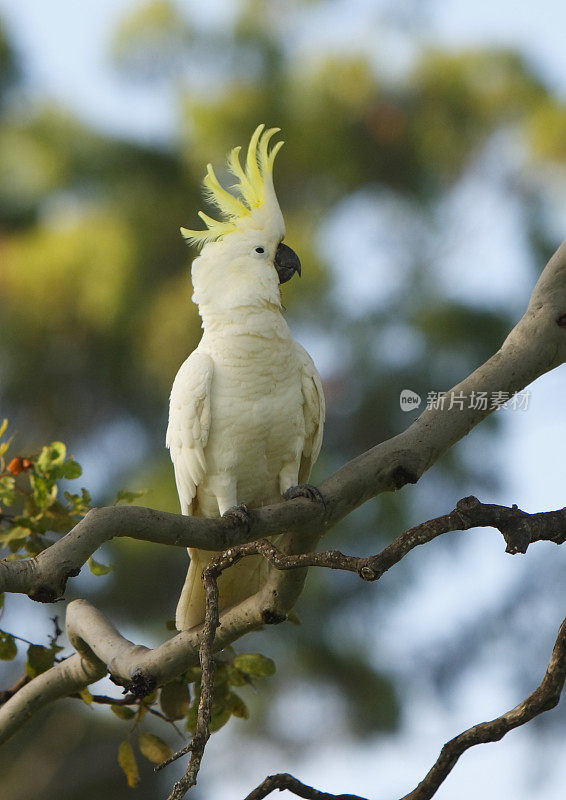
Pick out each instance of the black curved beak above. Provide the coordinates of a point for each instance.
(286, 262)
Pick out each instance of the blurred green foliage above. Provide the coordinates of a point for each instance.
(95, 293)
(30, 510)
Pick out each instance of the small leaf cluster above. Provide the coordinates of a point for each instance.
(179, 699)
(237, 671)
(32, 506)
(153, 747)
(40, 657)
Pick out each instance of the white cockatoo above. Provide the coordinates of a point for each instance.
(247, 407)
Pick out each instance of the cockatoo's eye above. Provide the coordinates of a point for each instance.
(260, 250)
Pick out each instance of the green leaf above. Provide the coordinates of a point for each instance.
(3, 427)
(40, 659)
(44, 491)
(70, 470)
(4, 446)
(123, 712)
(238, 707)
(98, 569)
(150, 698)
(255, 665)
(194, 675)
(8, 490)
(124, 496)
(154, 748)
(79, 503)
(220, 716)
(14, 533)
(236, 677)
(192, 715)
(175, 700)
(127, 760)
(8, 647)
(52, 456)
(86, 696)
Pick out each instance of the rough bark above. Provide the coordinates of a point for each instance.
(536, 345)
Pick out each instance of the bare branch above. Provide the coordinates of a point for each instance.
(202, 733)
(536, 345)
(284, 781)
(545, 697)
(140, 669)
(65, 678)
(518, 528)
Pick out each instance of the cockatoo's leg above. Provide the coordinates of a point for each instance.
(304, 490)
(291, 488)
(289, 476)
(239, 513)
(225, 488)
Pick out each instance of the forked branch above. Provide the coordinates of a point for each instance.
(544, 698)
(518, 528)
(536, 345)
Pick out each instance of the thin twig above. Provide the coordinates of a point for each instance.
(202, 733)
(129, 700)
(6, 694)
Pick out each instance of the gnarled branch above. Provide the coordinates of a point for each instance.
(536, 345)
(518, 528)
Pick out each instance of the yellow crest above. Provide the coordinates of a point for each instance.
(254, 182)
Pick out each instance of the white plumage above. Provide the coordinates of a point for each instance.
(247, 407)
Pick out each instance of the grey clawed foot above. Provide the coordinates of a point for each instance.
(304, 490)
(240, 514)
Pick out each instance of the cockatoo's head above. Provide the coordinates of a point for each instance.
(243, 259)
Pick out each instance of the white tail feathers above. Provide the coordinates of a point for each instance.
(238, 582)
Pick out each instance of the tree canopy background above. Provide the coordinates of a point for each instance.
(381, 171)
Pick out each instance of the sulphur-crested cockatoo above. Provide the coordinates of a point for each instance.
(247, 407)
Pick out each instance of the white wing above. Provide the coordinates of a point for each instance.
(189, 425)
(313, 410)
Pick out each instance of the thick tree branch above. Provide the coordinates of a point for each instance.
(141, 669)
(536, 345)
(65, 678)
(102, 648)
(518, 528)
